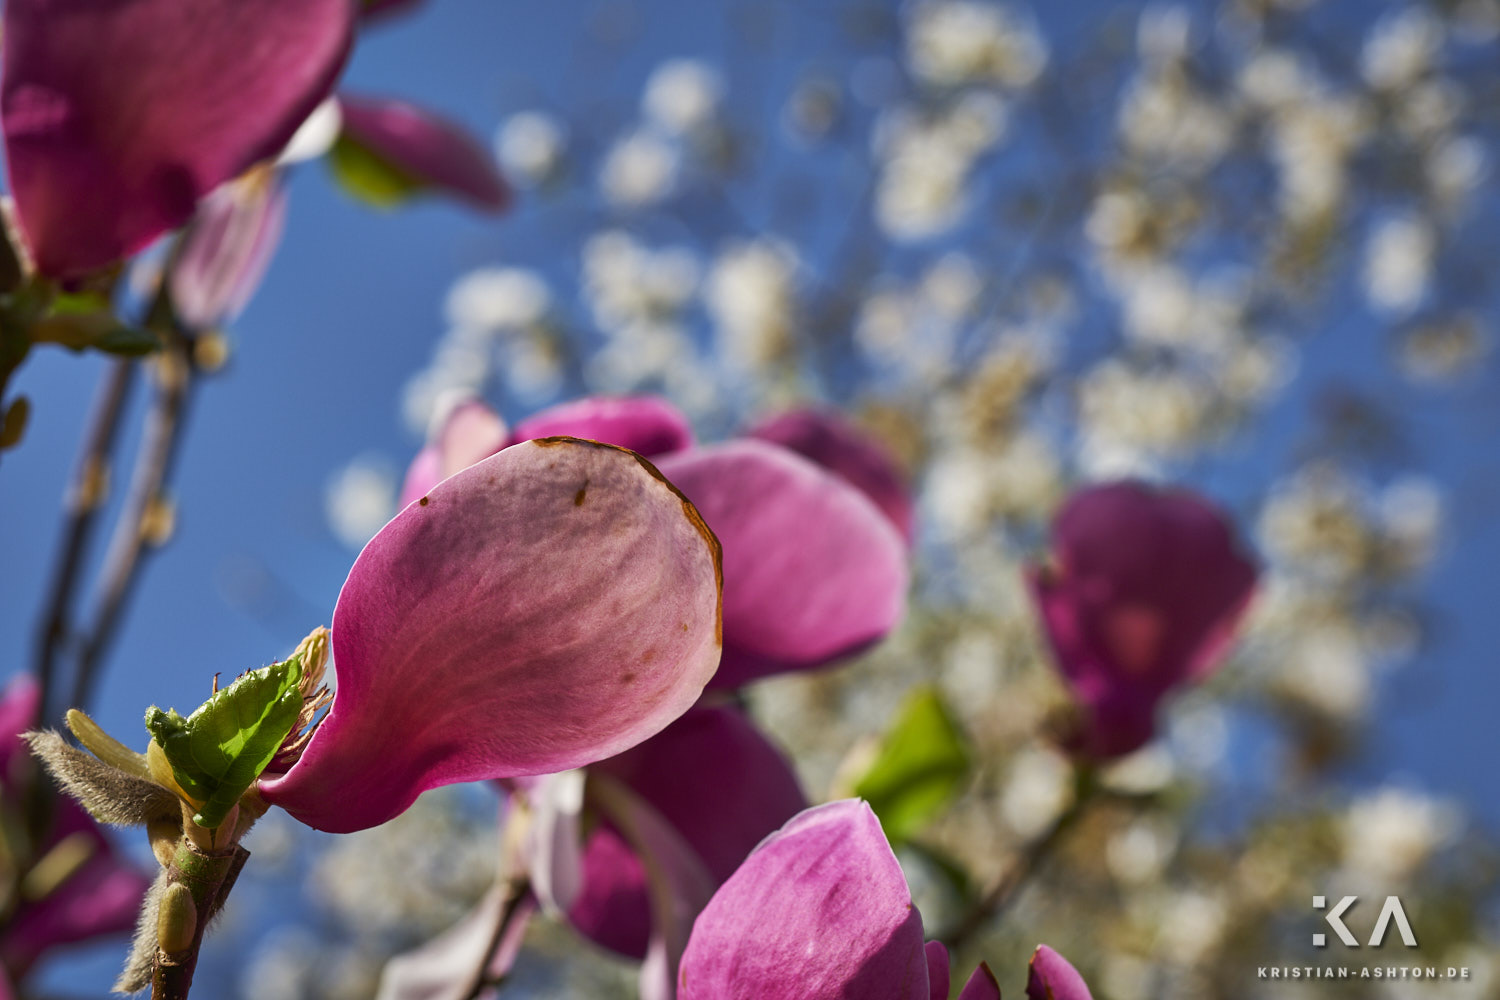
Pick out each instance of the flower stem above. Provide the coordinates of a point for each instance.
(1005, 889)
(208, 877)
(517, 889)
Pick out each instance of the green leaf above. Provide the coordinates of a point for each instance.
(217, 752)
(922, 764)
(368, 176)
(127, 341)
(79, 330)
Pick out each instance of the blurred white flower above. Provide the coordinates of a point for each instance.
(1401, 47)
(1391, 832)
(627, 282)
(499, 298)
(682, 95)
(1445, 348)
(751, 295)
(1399, 262)
(640, 170)
(1138, 853)
(359, 499)
(530, 146)
(952, 42)
(1038, 787)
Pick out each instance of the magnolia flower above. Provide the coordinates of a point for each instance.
(547, 607)
(1144, 595)
(829, 441)
(821, 910)
(719, 786)
(227, 248)
(119, 117)
(416, 149)
(814, 570)
(90, 891)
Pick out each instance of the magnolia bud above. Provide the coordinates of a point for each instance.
(176, 919)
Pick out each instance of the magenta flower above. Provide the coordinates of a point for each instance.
(227, 248)
(548, 607)
(814, 571)
(830, 441)
(419, 149)
(1144, 596)
(717, 782)
(120, 116)
(821, 911)
(101, 894)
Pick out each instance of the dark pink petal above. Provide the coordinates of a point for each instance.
(18, 713)
(937, 970)
(848, 452)
(376, 9)
(1146, 593)
(1052, 978)
(812, 570)
(678, 885)
(227, 248)
(102, 897)
(119, 116)
(981, 985)
(721, 785)
(645, 424)
(819, 911)
(442, 968)
(426, 149)
(551, 606)
(471, 432)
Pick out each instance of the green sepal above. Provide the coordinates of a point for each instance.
(217, 752)
(922, 763)
(370, 177)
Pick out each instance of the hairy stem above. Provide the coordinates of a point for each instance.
(1005, 889)
(208, 877)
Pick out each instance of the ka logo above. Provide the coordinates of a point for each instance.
(1391, 911)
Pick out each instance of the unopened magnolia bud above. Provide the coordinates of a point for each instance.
(176, 919)
(165, 834)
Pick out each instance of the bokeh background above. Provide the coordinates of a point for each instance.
(1243, 245)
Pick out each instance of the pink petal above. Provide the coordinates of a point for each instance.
(551, 606)
(471, 432)
(937, 970)
(678, 885)
(812, 570)
(847, 452)
(227, 248)
(1147, 592)
(981, 985)
(426, 148)
(819, 911)
(18, 713)
(442, 968)
(555, 854)
(103, 897)
(645, 424)
(718, 782)
(120, 116)
(1052, 978)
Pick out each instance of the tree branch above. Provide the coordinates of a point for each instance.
(84, 499)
